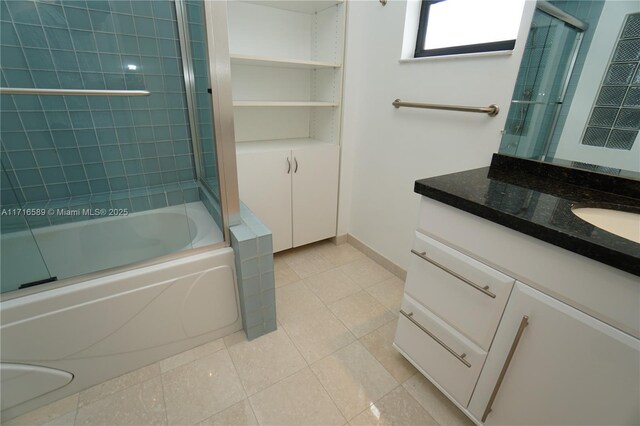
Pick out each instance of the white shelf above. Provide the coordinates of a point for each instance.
(277, 144)
(283, 104)
(302, 6)
(279, 62)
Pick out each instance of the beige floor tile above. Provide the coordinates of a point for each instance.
(196, 391)
(339, 255)
(306, 261)
(266, 360)
(361, 313)
(379, 343)
(332, 285)
(66, 420)
(318, 334)
(140, 404)
(283, 273)
(118, 384)
(191, 355)
(297, 400)
(432, 400)
(240, 414)
(389, 292)
(235, 338)
(48, 413)
(397, 408)
(353, 378)
(296, 300)
(365, 272)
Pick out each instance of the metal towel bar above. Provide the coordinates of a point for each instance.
(71, 92)
(492, 110)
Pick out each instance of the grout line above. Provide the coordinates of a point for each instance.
(325, 389)
(253, 410)
(164, 397)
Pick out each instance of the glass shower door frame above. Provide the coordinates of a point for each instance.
(217, 47)
(219, 64)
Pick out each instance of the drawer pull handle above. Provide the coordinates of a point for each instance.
(460, 358)
(484, 290)
(505, 367)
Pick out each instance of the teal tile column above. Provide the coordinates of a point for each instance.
(251, 241)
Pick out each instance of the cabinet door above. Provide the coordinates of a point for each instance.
(567, 368)
(264, 181)
(315, 193)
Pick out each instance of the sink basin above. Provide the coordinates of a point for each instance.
(621, 223)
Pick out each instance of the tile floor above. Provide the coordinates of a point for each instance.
(329, 363)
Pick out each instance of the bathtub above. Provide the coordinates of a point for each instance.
(65, 337)
(77, 248)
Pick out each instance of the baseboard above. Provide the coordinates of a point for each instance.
(375, 256)
(340, 239)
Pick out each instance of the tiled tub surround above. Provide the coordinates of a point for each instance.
(54, 147)
(536, 199)
(202, 99)
(330, 362)
(253, 247)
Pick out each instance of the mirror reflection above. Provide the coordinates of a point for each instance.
(577, 96)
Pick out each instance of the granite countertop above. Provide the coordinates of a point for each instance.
(536, 199)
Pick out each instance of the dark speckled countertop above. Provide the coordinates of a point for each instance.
(536, 199)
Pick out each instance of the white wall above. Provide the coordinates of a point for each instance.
(386, 149)
(595, 66)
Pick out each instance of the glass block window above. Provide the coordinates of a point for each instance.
(615, 118)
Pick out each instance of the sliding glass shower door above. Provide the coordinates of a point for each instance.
(541, 85)
(21, 261)
(107, 126)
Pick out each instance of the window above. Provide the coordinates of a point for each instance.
(451, 27)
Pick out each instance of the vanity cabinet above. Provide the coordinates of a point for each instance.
(499, 322)
(566, 368)
(293, 191)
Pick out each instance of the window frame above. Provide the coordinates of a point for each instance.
(420, 52)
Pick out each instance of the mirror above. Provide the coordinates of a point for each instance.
(577, 96)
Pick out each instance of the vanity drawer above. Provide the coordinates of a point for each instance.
(465, 293)
(450, 359)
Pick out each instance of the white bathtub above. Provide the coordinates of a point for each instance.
(78, 248)
(64, 339)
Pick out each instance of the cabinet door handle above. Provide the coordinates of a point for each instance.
(505, 367)
(460, 358)
(484, 290)
(288, 165)
(295, 160)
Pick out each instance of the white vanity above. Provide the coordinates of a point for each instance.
(515, 330)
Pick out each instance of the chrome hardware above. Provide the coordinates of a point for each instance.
(528, 102)
(505, 367)
(460, 357)
(515, 101)
(288, 166)
(484, 290)
(71, 92)
(295, 160)
(492, 110)
(556, 12)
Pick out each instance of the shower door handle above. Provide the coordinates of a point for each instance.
(288, 165)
